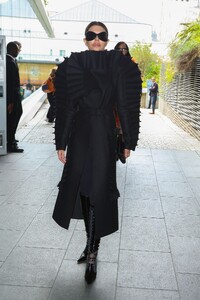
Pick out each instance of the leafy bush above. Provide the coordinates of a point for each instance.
(148, 61)
(185, 48)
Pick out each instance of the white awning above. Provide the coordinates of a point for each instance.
(41, 13)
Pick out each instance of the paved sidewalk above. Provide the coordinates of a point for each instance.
(154, 255)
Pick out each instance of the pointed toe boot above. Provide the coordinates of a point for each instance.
(91, 268)
(93, 246)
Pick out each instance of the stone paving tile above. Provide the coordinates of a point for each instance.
(51, 237)
(7, 189)
(170, 176)
(146, 294)
(180, 206)
(35, 267)
(175, 189)
(189, 285)
(14, 176)
(162, 156)
(195, 186)
(146, 234)
(3, 198)
(17, 217)
(9, 292)
(142, 192)
(142, 208)
(187, 158)
(48, 205)
(183, 225)
(143, 269)
(9, 239)
(167, 166)
(186, 254)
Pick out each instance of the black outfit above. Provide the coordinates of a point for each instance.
(52, 107)
(13, 97)
(88, 86)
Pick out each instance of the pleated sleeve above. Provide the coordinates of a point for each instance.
(68, 89)
(129, 90)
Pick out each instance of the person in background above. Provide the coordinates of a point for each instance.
(153, 93)
(49, 88)
(28, 90)
(89, 84)
(149, 84)
(13, 95)
(123, 47)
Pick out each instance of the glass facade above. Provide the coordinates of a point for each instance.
(18, 22)
(17, 19)
(17, 8)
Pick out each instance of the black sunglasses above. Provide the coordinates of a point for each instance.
(90, 35)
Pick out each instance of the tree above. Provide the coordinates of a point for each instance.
(148, 61)
(185, 48)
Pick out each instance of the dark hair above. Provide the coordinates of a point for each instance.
(119, 44)
(96, 23)
(11, 46)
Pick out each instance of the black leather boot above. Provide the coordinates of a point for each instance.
(93, 245)
(85, 204)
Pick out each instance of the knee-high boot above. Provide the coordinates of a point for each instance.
(93, 245)
(85, 204)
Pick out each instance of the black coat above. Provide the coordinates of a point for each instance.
(89, 85)
(12, 81)
(12, 97)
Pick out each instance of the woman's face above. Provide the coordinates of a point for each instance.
(123, 48)
(94, 41)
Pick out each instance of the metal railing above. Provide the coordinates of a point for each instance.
(183, 95)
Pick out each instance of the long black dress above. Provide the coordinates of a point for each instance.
(89, 85)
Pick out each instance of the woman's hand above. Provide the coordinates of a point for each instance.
(127, 153)
(61, 156)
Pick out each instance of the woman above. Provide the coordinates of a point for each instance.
(123, 47)
(89, 85)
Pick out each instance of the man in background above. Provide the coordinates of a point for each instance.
(153, 93)
(14, 105)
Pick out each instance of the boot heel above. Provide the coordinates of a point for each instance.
(83, 256)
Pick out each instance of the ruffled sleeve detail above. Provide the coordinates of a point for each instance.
(98, 73)
(69, 86)
(129, 90)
